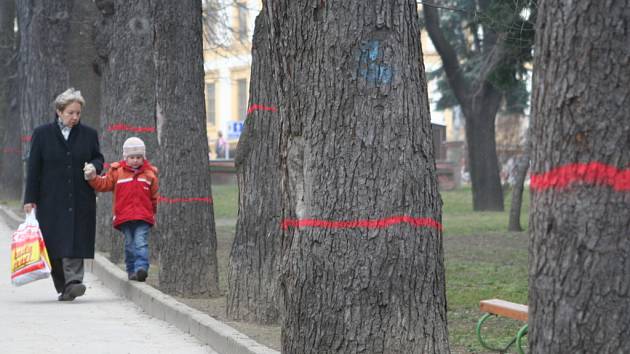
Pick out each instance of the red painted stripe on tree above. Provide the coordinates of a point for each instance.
(590, 173)
(125, 127)
(26, 138)
(11, 150)
(184, 200)
(260, 107)
(365, 223)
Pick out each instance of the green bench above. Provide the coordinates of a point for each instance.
(496, 307)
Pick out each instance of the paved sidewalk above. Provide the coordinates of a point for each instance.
(33, 321)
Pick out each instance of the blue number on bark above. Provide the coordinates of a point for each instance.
(369, 68)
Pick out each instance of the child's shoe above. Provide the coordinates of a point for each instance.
(141, 275)
(132, 276)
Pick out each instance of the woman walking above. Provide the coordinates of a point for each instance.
(64, 202)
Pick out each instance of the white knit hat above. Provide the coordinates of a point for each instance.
(134, 146)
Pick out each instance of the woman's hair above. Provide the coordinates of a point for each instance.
(67, 97)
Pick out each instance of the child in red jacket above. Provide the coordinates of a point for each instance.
(135, 184)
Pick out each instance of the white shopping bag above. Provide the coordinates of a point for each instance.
(29, 258)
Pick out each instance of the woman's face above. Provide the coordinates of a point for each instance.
(71, 115)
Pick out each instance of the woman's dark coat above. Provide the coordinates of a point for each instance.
(66, 204)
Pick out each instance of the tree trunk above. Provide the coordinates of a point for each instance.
(482, 153)
(480, 103)
(83, 60)
(188, 259)
(124, 42)
(364, 271)
(522, 166)
(7, 53)
(10, 127)
(42, 72)
(579, 273)
(256, 251)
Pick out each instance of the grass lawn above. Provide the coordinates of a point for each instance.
(483, 261)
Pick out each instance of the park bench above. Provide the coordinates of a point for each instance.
(496, 307)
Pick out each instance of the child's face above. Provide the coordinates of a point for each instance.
(134, 161)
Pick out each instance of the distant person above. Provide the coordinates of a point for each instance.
(220, 146)
(135, 184)
(64, 203)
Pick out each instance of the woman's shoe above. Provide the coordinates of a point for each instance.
(72, 291)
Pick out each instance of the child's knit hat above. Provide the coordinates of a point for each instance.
(134, 146)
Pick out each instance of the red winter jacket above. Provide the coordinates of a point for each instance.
(135, 192)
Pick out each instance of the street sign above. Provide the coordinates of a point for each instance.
(234, 129)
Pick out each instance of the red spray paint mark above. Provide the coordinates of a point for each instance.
(256, 107)
(590, 173)
(184, 200)
(366, 223)
(26, 138)
(10, 150)
(125, 127)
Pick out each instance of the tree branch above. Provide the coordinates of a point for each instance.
(450, 62)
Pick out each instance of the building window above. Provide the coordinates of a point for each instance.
(241, 9)
(210, 104)
(242, 99)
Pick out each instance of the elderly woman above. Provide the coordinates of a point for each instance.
(64, 202)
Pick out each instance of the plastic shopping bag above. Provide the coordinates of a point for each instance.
(29, 259)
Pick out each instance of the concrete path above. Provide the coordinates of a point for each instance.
(33, 321)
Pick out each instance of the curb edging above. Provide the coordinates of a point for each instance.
(221, 337)
(208, 330)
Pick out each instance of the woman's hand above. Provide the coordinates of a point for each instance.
(89, 171)
(28, 207)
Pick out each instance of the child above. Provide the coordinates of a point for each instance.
(135, 184)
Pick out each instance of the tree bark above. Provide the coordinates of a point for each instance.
(7, 53)
(188, 260)
(522, 166)
(482, 153)
(364, 271)
(42, 73)
(83, 60)
(480, 103)
(125, 44)
(10, 127)
(579, 273)
(257, 248)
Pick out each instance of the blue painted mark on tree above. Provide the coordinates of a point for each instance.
(369, 68)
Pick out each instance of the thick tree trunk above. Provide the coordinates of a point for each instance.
(188, 259)
(579, 272)
(482, 153)
(124, 41)
(11, 171)
(10, 127)
(257, 248)
(82, 59)
(42, 72)
(364, 271)
(7, 54)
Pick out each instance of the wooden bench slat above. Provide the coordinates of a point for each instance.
(504, 308)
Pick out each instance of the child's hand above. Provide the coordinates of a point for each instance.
(89, 171)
